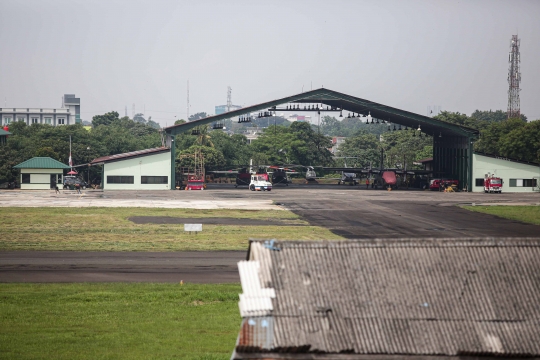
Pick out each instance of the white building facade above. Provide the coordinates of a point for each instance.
(68, 114)
(148, 169)
(517, 176)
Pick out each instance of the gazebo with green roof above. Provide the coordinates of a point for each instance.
(3, 136)
(39, 173)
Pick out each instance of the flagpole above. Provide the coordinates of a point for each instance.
(70, 161)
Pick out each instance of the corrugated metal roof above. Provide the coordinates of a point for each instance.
(430, 297)
(131, 154)
(41, 163)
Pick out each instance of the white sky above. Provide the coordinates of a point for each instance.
(406, 54)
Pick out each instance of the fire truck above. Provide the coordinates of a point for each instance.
(493, 184)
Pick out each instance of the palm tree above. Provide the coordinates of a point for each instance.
(204, 139)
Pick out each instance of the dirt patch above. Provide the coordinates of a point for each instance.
(211, 221)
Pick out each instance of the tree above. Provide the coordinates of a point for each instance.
(105, 119)
(212, 157)
(491, 135)
(522, 142)
(493, 116)
(203, 138)
(235, 148)
(139, 118)
(364, 147)
(47, 151)
(198, 116)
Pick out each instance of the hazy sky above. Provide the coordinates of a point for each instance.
(406, 54)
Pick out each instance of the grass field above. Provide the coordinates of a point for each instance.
(528, 214)
(107, 229)
(118, 321)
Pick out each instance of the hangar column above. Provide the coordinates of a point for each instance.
(172, 146)
(452, 159)
(470, 165)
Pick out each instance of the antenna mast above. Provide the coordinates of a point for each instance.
(514, 78)
(229, 98)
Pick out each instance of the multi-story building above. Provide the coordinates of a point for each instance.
(68, 114)
(220, 109)
(336, 143)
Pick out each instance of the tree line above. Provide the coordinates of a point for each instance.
(279, 142)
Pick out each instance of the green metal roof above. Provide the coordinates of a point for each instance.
(348, 103)
(4, 132)
(41, 163)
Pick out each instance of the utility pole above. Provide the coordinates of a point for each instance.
(514, 78)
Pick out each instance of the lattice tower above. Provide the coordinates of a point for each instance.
(229, 98)
(514, 78)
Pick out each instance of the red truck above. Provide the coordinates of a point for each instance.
(435, 184)
(493, 185)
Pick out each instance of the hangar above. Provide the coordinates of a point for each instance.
(452, 144)
(136, 170)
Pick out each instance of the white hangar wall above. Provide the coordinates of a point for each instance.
(128, 174)
(516, 176)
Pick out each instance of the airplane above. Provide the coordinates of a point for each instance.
(243, 174)
(280, 175)
(347, 177)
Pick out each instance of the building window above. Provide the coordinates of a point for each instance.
(48, 120)
(7, 120)
(35, 120)
(479, 182)
(154, 179)
(60, 121)
(25, 178)
(120, 179)
(523, 182)
(21, 119)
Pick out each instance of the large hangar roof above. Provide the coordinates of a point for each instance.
(347, 103)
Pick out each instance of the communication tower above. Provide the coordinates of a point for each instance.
(514, 78)
(229, 98)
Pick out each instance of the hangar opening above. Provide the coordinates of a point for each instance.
(452, 144)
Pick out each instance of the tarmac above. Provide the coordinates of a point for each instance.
(352, 212)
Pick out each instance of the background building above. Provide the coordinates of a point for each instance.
(517, 176)
(220, 109)
(68, 114)
(39, 173)
(148, 169)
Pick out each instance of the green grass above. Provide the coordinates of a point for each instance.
(118, 321)
(108, 229)
(528, 214)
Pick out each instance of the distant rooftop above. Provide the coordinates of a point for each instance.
(41, 163)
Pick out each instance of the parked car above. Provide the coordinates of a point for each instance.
(72, 180)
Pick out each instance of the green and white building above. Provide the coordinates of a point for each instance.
(38, 173)
(517, 176)
(148, 169)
